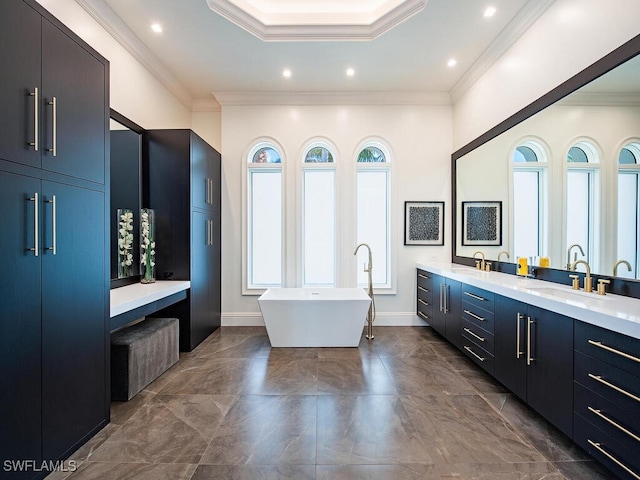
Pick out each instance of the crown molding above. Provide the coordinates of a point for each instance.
(524, 19)
(600, 99)
(205, 105)
(107, 18)
(316, 32)
(340, 98)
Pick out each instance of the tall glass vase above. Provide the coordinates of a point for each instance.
(147, 246)
(125, 242)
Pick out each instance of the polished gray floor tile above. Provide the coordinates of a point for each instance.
(132, 471)
(211, 376)
(375, 472)
(255, 472)
(353, 377)
(282, 377)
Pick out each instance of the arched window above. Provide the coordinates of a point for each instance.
(530, 168)
(582, 201)
(264, 221)
(319, 211)
(373, 212)
(628, 238)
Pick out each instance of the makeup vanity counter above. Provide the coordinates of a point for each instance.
(572, 356)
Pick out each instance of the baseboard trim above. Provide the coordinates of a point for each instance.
(383, 319)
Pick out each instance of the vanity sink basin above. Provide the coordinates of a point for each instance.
(568, 294)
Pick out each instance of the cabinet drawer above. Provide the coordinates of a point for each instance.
(424, 280)
(482, 318)
(614, 384)
(619, 423)
(477, 335)
(608, 346)
(478, 297)
(479, 355)
(623, 461)
(425, 295)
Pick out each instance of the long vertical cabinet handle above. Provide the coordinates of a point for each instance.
(529, 357)
(34, 94)
(206, 200)
(211, 227)
(441, 299)
(519, 318)
(36, 222)
(446, 299)
(54, 223)
(54, 128)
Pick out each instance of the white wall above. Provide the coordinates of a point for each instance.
(569, 37)
(420, 141)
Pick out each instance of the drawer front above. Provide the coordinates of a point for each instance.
(611, 347)
(482, 318)
(424, 307)
(614, 384)
(478, 297)
(618, 458)
(617, 422)
(424, 280)
(479, 355)
(477, 335)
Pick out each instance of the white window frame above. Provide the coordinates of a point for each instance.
(630, 169)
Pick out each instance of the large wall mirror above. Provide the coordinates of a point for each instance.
(126, 199)
(559, 180)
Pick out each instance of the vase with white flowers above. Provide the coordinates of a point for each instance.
(147, 246)
(125, 242)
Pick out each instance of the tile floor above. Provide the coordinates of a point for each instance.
(406, 406)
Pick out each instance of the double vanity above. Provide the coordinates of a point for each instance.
(572, 356)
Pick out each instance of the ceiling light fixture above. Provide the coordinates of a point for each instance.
(286, 73)
(350, 72)
(489, 12)
(156, 27)
(452, 62)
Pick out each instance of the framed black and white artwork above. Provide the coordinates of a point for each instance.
(424, 223)
(482, 223)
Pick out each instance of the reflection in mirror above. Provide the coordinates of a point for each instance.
(567, 173)
(126, 144)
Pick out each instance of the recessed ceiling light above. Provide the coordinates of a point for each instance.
(286, 73)
(452, 62)
(156, 27)
(490, 12)
(350, 72)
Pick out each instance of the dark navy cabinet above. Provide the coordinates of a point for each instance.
(439, 304)
(183, 188)
(54, 297)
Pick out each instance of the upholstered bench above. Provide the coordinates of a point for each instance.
(140, 354)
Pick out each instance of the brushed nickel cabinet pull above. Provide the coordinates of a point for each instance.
(441, 298)
(446, 298)
(612, 458)
(423, 289)
(475, 335)
(34, 94)
(477, 297)
(54, 222)
(426, 317)
(423, 276)
(477, 317)
(423, 302)
(36, 222)
(529, 357)
(54, 128)
(615, 424)
(518, 319)
(482, 359)
(598, 378)
(613, 350)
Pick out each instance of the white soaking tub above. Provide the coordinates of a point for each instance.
(314, 317)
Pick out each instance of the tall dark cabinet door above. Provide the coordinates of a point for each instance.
(75, 126)
(200, 315)
(550, 375)
(509, 347)
(20, 77)
(19, 321)
(73, 312)
(454, 312)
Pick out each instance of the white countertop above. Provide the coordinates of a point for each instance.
(127, 298)
(614, 312)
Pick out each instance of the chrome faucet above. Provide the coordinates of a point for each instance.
(575, 255)
(371, 315)
(481, 264)
(615, 267)
(588, 286)
(505, 252)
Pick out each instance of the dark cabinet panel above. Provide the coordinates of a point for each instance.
(20, 336)
(453, 312)
(509, 345)
(445, 310)
(19, 82)
(73, 305)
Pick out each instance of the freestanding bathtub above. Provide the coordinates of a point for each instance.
(314, 317)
